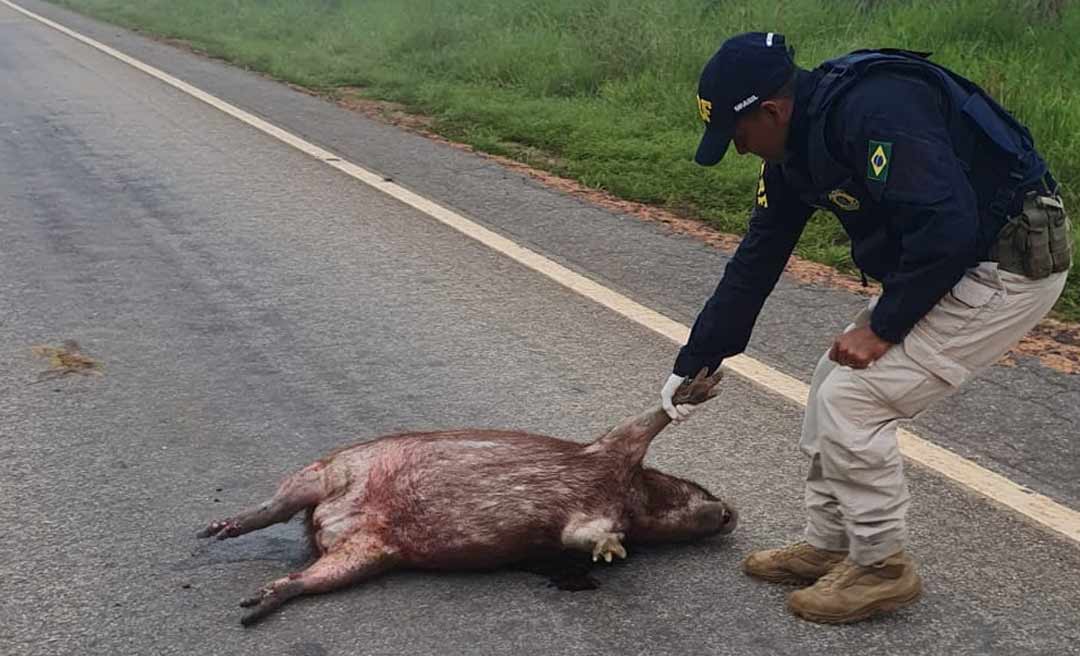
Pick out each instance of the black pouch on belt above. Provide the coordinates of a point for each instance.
(1038, 242)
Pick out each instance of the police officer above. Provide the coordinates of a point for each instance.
(948, 204)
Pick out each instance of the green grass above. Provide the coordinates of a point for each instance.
(602, 90)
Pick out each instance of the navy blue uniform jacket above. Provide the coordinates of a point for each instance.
(916, 231)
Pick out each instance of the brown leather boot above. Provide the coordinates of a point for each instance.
(851, 592)
(798, 564)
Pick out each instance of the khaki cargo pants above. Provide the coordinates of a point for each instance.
(856, 495)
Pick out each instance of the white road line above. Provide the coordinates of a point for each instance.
(1029, 503)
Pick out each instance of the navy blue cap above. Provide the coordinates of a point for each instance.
(747, 69)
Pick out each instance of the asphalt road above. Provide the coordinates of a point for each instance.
(254, 309)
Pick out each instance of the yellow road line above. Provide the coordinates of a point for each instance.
(1027, 502)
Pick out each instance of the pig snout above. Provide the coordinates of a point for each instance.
(717, 519)
(729, 521)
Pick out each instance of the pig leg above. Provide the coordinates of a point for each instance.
(301, 490)
(631, 438)
(595, 535)
(360, 557)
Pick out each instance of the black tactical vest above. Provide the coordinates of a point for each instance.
(973, 116)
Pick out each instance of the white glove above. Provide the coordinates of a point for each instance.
(680, 412)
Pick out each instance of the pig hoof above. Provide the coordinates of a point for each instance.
(252, 601)
(608, 547)
(212, 530)
(220, 530)
(261, 611)
(266, 601)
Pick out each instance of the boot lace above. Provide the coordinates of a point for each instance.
(794, 549)
(836, 574)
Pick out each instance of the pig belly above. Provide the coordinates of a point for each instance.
(472, 543)
(441, 535)
(342, 513)
(333, 521)
(482, 524)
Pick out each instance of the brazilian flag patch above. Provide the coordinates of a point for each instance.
(877, 166)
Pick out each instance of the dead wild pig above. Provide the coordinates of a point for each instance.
(470, 499)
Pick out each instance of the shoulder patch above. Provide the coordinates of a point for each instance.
(762, 197)
(877, 165)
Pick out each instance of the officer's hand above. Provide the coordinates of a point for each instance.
(858, 348)
(667, 391)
